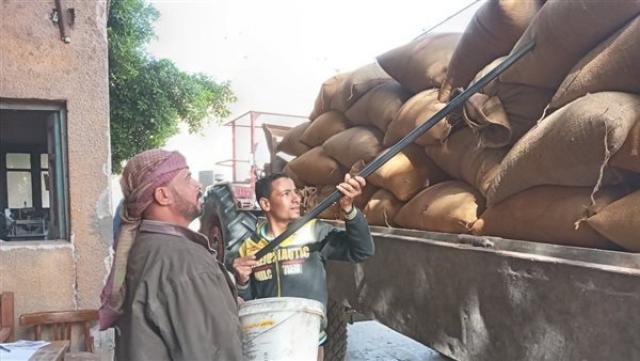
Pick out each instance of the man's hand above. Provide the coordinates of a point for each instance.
(243, 268)
(351, 188)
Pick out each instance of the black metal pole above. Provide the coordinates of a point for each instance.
(396, 148)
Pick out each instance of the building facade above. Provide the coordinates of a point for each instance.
(55, 221)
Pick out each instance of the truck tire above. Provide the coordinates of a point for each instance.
(211, 227)
(233, 225)
(335, 349)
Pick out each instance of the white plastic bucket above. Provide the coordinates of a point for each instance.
(281, 329)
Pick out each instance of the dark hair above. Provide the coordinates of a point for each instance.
(263, 185)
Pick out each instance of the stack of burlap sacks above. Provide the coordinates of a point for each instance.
(548, 152)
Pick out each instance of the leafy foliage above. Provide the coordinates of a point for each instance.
(150, 97)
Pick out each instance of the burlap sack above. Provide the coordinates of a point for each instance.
(486, 115)
(356, 84)
(620, 222)
(354, 144)
(325, 96)
(414, 112)
(502, 113)
(407, 173)
(571, 147)
(505, 112)
(628, 157)
(315, 167)
(324, 127)
(492, 32)
(369, 188)
(421, 64)
(312, 196)
(294, 177)
(276, 165)
(382, 208)
(367, 193)
(548, 214)
(291, 143)
(450, 206)
(565, 31)
(612, 65)
(461, 157)
(379, 106)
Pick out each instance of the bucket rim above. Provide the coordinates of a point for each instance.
(304, 304)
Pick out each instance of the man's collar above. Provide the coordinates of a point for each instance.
(151, 226)
(264, 228)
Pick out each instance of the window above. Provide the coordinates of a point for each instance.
(33, 181)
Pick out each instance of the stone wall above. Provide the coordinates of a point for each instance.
(37, 66)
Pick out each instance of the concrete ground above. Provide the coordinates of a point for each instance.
(372, 341)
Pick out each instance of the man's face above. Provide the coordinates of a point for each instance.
(284, 202)
(187, 195)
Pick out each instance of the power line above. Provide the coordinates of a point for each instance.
(425, 32)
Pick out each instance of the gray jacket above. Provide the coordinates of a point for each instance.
(180, 303)
(297, 267)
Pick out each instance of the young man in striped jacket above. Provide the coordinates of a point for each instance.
(297, 267)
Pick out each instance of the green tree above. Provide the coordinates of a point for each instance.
(150, 97)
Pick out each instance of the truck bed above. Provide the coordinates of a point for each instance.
(488, 298)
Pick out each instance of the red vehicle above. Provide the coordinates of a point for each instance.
(245, 167)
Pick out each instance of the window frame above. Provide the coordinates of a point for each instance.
(62, 194)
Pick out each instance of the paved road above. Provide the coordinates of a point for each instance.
(372, 341)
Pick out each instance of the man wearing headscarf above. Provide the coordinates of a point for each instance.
(167, 295)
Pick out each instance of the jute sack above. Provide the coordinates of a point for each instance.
(450, 206)
(612, 65)
(502, 113)
(414, 112)
(461, 157)
(421, 64)
(325, 97)
(382, 208)
(369, 190)
(548, 214)
(294, 177)
(312, 196)
(364, 198)
(492, 32)
(505, 112)
(291, 143)
(356, 84)
(324, 127)
(628, 157)
(315, 167)
(571, 147)
(564, 31)
(354, 144)
(407, 173)
(276, 165)
(379, 106)
(620, 222)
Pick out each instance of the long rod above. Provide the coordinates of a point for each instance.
(396, 148)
